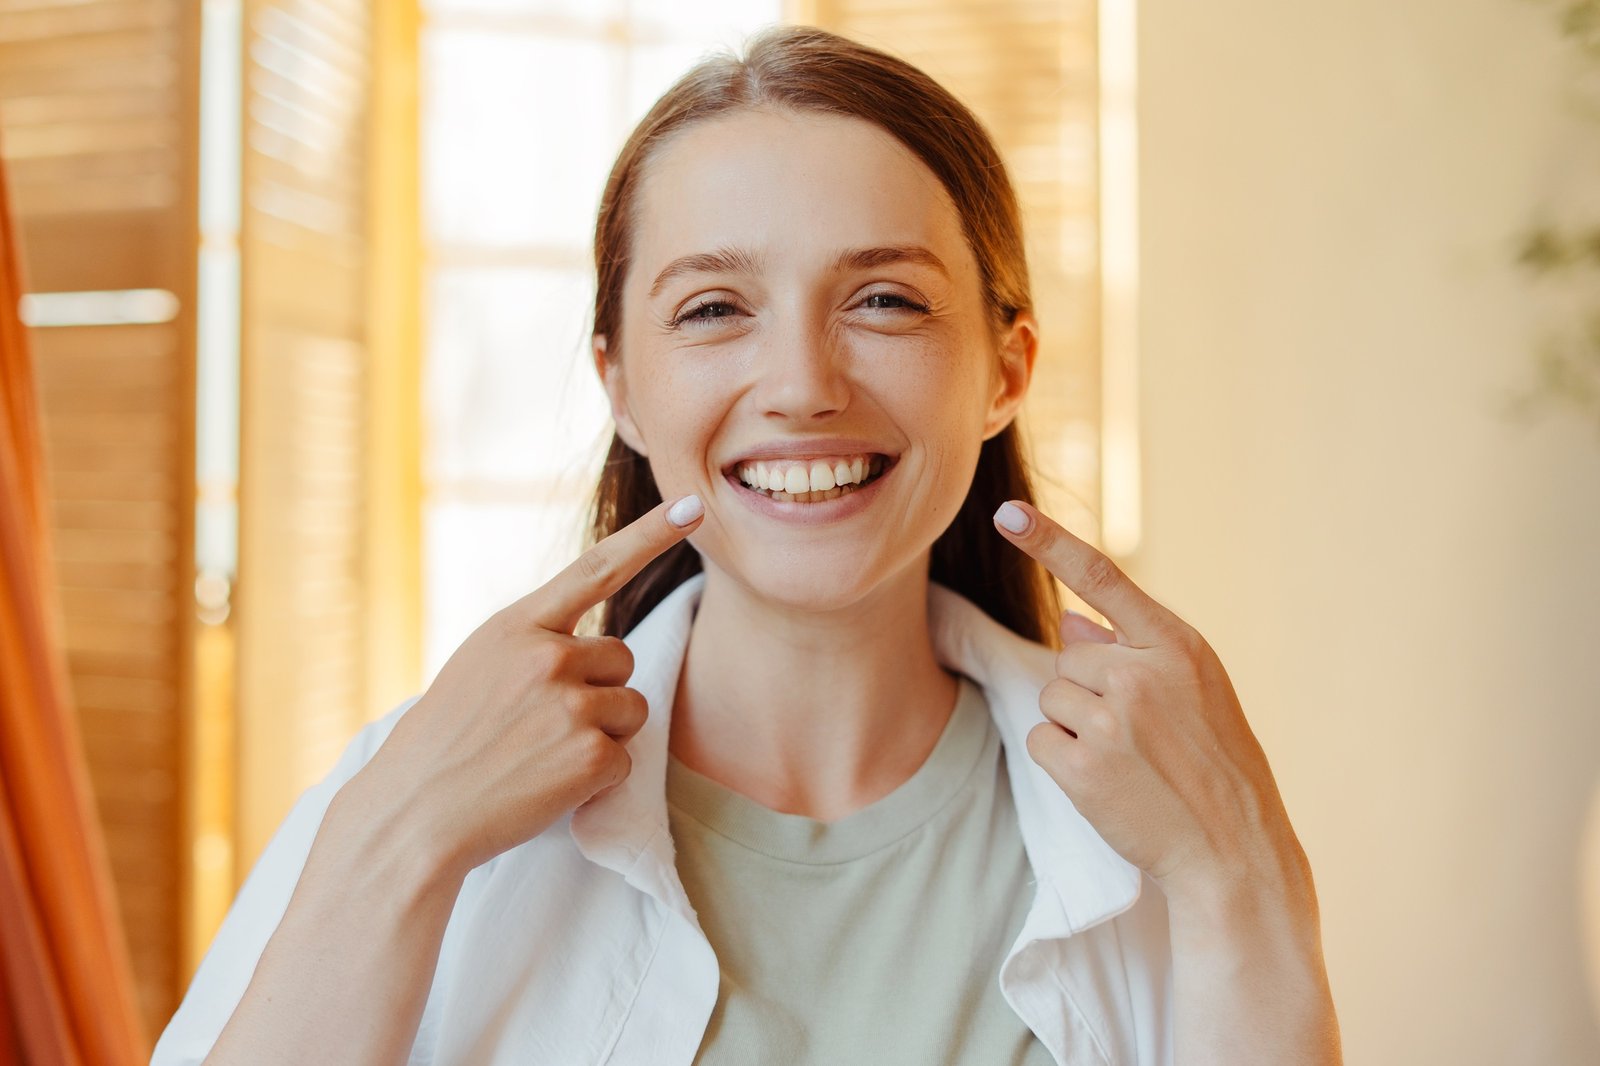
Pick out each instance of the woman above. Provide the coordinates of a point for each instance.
(799, 803)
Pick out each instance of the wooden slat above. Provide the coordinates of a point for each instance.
(112, 516)
(100, 137)
(121, 639)
(22, 56)
(41, 174)
(134, 71)
(99, 486)
(142, 662)
(44, 23)
(104, 700)
(102, 350)
(22, 112)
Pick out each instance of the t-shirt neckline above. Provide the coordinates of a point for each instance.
(967, 734)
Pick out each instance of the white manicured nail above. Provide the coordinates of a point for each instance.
(1012, 517)
(685, 511)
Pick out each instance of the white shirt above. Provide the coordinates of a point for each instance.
(580, 946)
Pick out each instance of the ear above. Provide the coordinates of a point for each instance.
(611, 379)
(1018, 348)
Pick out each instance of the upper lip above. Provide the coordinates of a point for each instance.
(811, 448)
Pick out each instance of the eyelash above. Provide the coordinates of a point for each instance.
(692, 316)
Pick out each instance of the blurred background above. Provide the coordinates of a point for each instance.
(308, 287)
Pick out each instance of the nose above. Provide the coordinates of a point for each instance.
(801, 374)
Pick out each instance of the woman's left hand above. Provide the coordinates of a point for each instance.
(1146, 736)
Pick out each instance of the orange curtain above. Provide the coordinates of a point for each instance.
(66, 984)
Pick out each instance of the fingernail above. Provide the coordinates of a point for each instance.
(1012, 517)
(685, 511)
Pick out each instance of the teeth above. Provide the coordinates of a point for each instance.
(806, 476)
(814, 497)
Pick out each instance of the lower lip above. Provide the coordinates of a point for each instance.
(810, 514)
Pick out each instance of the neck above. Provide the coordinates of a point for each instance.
(809, 712)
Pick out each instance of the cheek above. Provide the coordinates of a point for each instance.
(677, 416)
(944, 414)
(936, 398)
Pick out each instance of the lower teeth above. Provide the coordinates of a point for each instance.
(815, 497)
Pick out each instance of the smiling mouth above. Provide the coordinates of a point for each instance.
(765, 479)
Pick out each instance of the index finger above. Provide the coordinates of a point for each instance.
(598, 573)
(1140, 621)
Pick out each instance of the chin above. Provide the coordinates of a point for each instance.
(811, 585)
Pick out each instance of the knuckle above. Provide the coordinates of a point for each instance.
(619, 647)
(1081, 764)
(596, 754)
(622, 764)
(1057, 701)
(1189, 668)
(1126, 679)
(595, 565)
(551, 658)
(638, 705)
(1053, 696)
(1191, 641)
(1036, 741)
(1120, 678)
(1103, 723)
(593, 704)
(1100, 574)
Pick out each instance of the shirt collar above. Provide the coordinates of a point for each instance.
(626, 829)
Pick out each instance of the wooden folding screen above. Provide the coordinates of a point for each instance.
(98, 127)
(99, 123)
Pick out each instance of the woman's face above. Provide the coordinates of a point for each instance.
(801, 295)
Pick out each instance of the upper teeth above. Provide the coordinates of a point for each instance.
(805, 475)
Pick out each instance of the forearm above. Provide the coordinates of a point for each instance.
(349, 967)
(1249, 980)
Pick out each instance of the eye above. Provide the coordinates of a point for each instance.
(706, 311)
(897, 302)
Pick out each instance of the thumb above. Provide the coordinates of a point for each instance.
(1076, 627)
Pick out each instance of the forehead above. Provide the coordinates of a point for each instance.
(793, 187)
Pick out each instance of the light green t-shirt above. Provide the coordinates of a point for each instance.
(873, 939)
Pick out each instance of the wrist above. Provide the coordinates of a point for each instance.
(386, 838)
(1225, 905)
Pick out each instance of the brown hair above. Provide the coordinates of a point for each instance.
(808, 69)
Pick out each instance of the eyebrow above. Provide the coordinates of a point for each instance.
(740, 261)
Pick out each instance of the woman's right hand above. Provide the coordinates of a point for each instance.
(525, 721)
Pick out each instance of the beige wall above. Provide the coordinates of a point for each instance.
(1405, 587)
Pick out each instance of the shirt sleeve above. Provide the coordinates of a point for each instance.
(230, 962)
(1145, 937)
